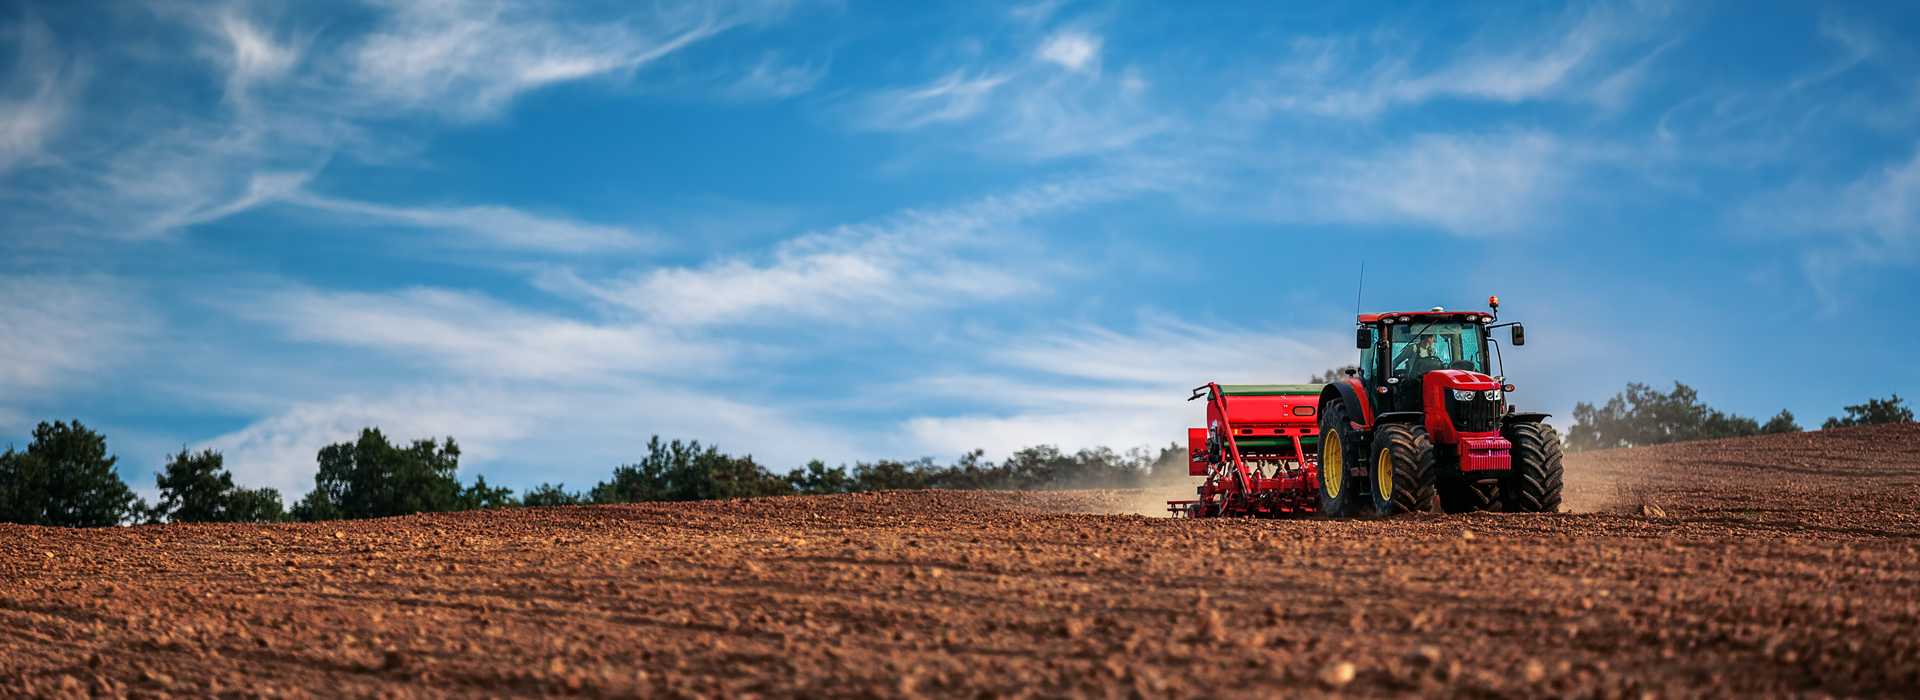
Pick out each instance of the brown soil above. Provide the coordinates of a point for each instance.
(1783, 566)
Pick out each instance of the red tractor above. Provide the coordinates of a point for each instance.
(1425, 415)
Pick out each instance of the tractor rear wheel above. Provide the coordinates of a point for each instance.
(1337, 499)
(1534, 486)
(1402, 470)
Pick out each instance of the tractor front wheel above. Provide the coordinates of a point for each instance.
(1534, 486)
(1459, 496)
(1337, 499)
(1402, 470)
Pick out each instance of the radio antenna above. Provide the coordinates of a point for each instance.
(1361, 290)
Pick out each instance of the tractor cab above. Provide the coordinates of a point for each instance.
(1399, 350)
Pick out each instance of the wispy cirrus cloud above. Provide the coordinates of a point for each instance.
(1467, 185)
(1346, 77)
(468, 58)
(1872, 220)
(913, 260)
(1050, 101)
(37, 97)
(56, 330)
(296, 97)
(491, 225)
(472, 335)
(775, 77)
(1087, 385)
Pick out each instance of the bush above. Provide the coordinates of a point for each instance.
(552, 495)
(677, 471)
(371, 478)
(1333, 375)
(480, 497)
(1644, 416)
(65, 478)
(196, 488)
(1873, 412)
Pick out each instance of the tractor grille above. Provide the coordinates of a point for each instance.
(1480, 415)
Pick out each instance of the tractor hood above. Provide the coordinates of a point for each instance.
(1460, 379)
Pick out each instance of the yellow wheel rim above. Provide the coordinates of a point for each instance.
(1330, 468)
(1383, 473)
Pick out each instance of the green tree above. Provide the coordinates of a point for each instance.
(479, 496)
(677, 471)
(261, 505)
(1873, 412)
(65, 478)
(196, 488)
(552, 495)
(1782, 423)
(1644, 416)
(816, 479)
(1333, 375)
(372, 478)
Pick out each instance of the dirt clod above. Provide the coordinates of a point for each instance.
(1337, 674)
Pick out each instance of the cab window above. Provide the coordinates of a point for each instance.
(1418, 348)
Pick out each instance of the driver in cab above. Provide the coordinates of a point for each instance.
(1421, 356)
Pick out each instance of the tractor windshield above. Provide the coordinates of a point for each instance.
(1419, 348)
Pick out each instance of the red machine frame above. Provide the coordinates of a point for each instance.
(1249, 430)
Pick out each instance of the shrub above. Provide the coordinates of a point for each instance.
(372, 478)
(196, 488)
(1873, 412)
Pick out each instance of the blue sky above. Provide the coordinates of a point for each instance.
(848, 231)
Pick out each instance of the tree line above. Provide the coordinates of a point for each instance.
(66, 478)
(1643, 415)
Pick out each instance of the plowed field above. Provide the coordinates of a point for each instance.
(1781, 566)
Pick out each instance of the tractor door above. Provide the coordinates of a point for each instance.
(1370, 371)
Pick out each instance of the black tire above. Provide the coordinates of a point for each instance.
(1537, 478)
(1401, 470)
(1458, 496)
(1337, 499)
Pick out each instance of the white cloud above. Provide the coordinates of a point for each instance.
(298, 96)
(1030, 108)
(254, 56)
(35, 99)
(855, 273)
(470, 57)
(492, 225)
(1567, 63)
(473, 335)
(54, 331)
(280, 451)
(952, 97)
(772, 78)
(572, 434)
(1466, 184)
(1874, 219)
(1097, 387)
(1074, 50)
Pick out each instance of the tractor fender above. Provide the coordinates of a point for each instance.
(1514, 418)
(1350, 393)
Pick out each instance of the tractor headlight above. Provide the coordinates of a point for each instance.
(1493, 394)
(1463, 395)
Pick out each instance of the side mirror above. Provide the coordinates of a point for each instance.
(1519, 334)
(1363, 338)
